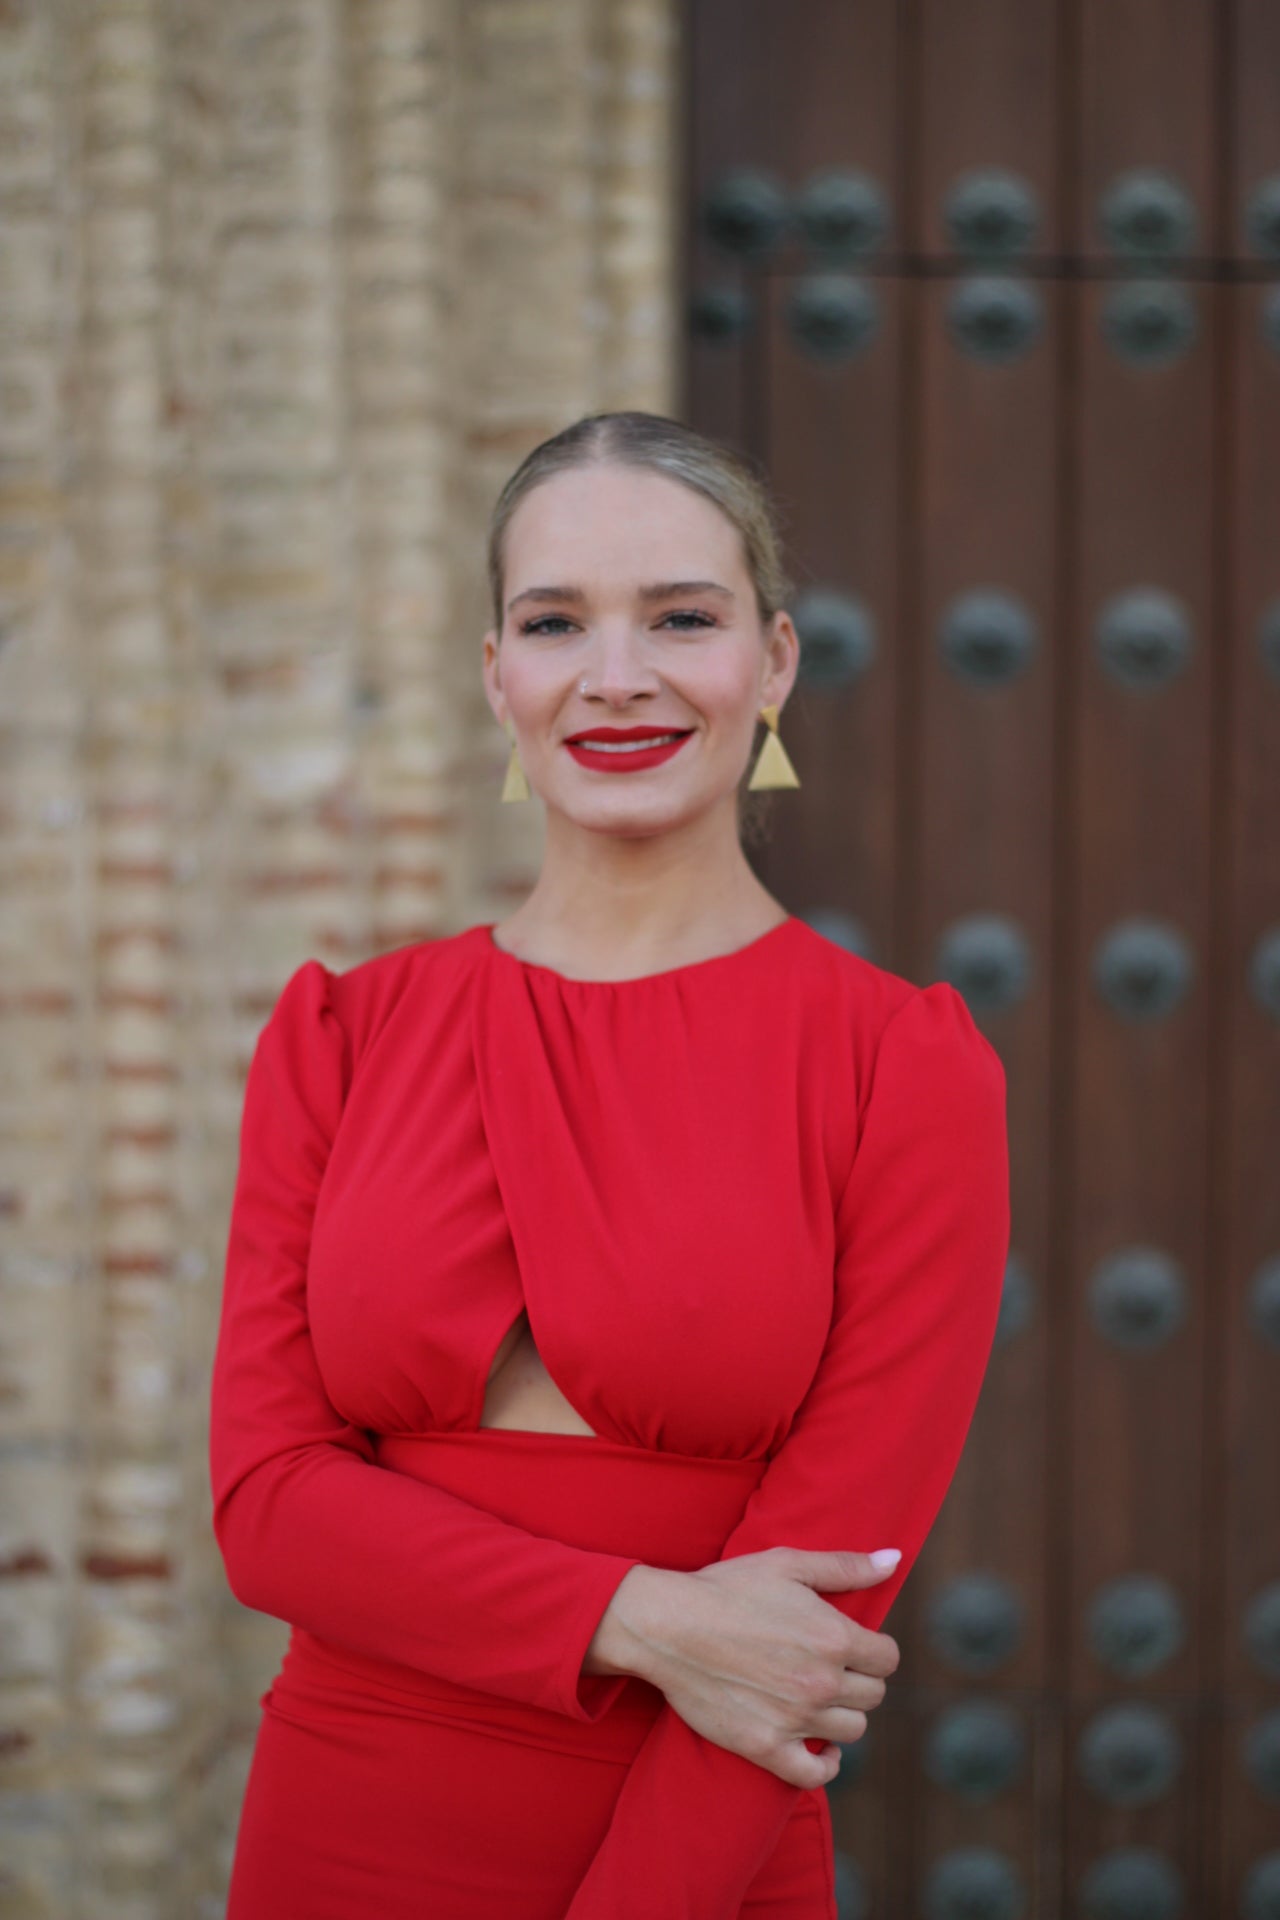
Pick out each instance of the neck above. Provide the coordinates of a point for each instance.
(607, 902)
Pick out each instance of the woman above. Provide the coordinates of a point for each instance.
(603, 1285)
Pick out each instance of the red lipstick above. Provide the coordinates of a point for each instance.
(611, 756)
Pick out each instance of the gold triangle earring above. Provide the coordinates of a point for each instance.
(516, 784)
(773, 768)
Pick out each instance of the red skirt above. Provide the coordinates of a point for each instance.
(377, 1793)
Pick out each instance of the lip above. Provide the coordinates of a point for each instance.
(639, 758)
(621, 733)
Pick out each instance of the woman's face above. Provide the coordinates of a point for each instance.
(592, 558)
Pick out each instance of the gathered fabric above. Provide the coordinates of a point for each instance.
(756, 1211)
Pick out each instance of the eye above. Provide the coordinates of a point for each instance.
(546, 620)
(703, 619)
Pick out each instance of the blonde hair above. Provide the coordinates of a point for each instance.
(659, 444)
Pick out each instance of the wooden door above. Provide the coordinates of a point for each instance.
(992, 292)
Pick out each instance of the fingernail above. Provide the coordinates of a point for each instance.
(885, 1556)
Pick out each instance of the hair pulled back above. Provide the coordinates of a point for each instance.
(659, 444)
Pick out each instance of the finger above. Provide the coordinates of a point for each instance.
(869, 1652)
(801, 1768)
(861, 1690)
(841, 1724)
(843, 1568)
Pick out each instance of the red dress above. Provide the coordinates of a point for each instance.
(757, 1210)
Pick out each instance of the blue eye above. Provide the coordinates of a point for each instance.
(703, 619)
(546, 620)
(540, 626)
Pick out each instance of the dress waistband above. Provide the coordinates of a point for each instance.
(666, 1509)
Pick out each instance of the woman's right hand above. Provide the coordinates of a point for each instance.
(750, 1656)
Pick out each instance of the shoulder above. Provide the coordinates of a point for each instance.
(354, 1003)
(846, 1001)
(870, 993)
(892, 1025)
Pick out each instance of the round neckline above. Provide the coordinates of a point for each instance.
(638, 979)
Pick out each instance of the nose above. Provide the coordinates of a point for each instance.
(617, 668)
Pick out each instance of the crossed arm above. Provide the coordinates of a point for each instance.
(923, 1234)
(314, 1531)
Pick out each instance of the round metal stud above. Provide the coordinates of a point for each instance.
(840, 927)
(1017, 1301)
(975, 1622)
(994, 317)
(1146, 214)
(975, 1748)
(974, 1883)
(1262, 1629)
(1143, 637)
(1269, 638)
(1130, 1754)
(987, 636)
(833, 316)
(721, 313)
(986, 958)
(1262, 1755)
(837, 637)
(840, 212)
(853, 1898)
(1264, 1300)
(991, 214)
(746, 212)
(1136, 1625)
(1269, 318)
(1138, 1298)
(1142, 969)
(1132, 1883)
(1262, 218)
(1260, 1892)
(1264, 972)
(1149, 323)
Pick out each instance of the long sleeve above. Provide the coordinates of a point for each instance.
(922, 1237)
(312, 1529)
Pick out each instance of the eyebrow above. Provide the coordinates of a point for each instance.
(659, 590)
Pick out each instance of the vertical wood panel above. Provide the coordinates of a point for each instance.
(828, 434)
(830, 443)
(1241, 1822)
(834, 461)
(724, 128)
(981, 775)
(982, 772)
(989, 98)
(1249, 1193)
(1141, 1114)
(1147, 70)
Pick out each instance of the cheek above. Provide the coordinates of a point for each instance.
(728, 703)
(534, 696)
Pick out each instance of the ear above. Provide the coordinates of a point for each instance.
(782, 660)
(492, 677)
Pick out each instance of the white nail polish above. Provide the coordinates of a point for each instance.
(885, 1556)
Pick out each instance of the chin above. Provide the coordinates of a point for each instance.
(631, 819)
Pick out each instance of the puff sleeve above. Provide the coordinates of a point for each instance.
(310, 1526)
(922, 1233)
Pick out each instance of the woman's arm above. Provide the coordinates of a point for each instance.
(922, 1238)
(748, 1653)
(311, 1528)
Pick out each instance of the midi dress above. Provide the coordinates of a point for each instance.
(756, 1210)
